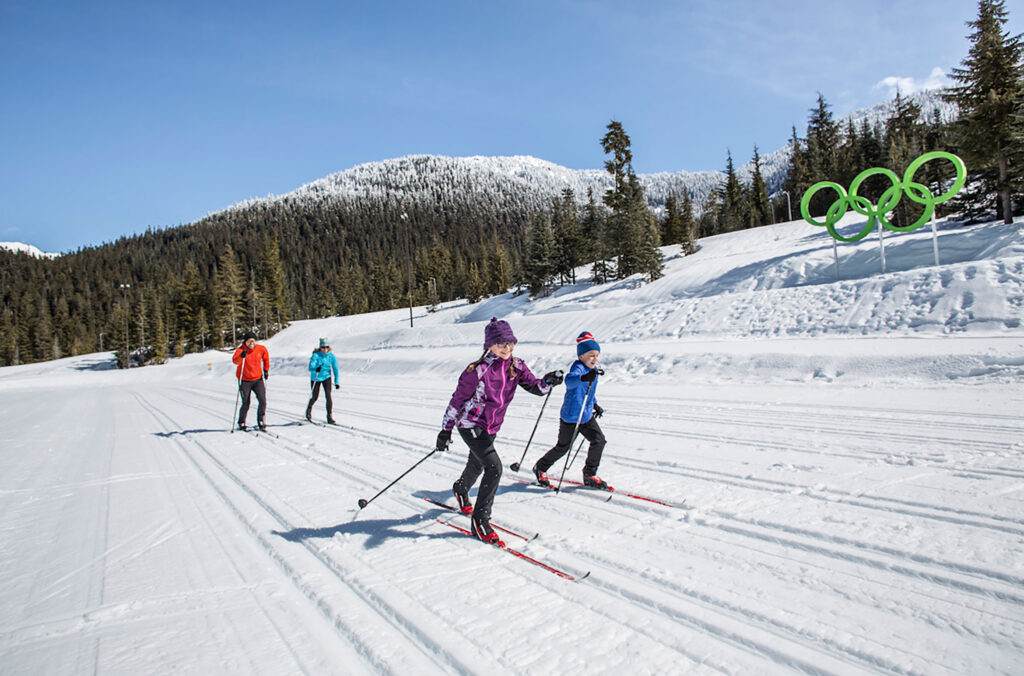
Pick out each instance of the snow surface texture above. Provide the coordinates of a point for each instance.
(850, 453)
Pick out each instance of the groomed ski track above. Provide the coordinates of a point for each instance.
(787, 556)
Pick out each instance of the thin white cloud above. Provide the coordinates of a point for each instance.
(908, 85)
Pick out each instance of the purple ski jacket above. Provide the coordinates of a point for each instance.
(484, 393)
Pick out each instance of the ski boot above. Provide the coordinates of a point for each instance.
(483, 531)
(262, 425)
(594, 481)
(242, 427)
(542, 477)
(462, 497)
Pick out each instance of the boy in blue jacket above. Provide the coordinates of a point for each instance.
(579, 408)
(321, 365)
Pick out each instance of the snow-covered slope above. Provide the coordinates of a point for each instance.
(850, 455)
(26, 248)
(533, 183)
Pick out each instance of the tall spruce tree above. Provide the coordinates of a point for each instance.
(990, 96)
(688, 224)
(271, 283)
(760, 206)
(733, 209)
(631, 229)
(538, 268)
(566, 232)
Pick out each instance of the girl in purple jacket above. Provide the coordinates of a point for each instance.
(477, 409)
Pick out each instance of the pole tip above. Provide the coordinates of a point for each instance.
(514, 467)
(362, 503)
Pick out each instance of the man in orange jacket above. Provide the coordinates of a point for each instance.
(253, 368)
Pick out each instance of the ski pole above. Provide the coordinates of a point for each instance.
(238, 393)
(515, 466)
(572, 440)
(364, 503)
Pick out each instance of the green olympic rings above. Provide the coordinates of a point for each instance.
(916, 192)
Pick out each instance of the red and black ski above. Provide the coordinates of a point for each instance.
(529, 559)
(610, 489)
(526, 538)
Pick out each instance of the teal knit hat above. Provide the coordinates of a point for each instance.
(324, 342)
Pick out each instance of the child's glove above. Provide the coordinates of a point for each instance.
(553, 378)
(444, 437)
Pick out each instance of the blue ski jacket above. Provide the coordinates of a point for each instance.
(575, 391)
(327, 363)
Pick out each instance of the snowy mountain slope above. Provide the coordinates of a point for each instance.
(428, 179)
(26, 248)
(850, 455)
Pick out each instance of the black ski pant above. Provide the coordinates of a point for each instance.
(590, 431)
(315, 386)
(248, 388)
(482, 458)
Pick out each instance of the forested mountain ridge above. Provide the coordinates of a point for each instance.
(334, 246)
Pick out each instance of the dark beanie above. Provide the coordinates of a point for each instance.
(498, 331)
(248, 335)
(585, 343)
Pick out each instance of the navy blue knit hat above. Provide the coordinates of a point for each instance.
(498, 331)
(585, 343)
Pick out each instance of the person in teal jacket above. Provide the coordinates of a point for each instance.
(321, 365)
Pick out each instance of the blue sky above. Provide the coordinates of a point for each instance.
(118, 116)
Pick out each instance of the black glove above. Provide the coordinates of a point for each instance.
(444, 437)
(337, 386)
(553, 378)
(598, 411)
(245, 353)
(266, 375)
(318, 369)
(589, 376)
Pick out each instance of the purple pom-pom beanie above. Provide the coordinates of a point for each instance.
(498, 331)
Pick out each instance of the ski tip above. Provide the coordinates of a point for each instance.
(584, 576)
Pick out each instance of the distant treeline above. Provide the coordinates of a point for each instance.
(261, 265)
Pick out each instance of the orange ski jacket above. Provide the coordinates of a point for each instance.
(252, 366)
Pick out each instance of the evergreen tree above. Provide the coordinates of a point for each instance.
(229, 283)
(566, 233)
(798, 178)
(733, 209)
(990, 96)
(688, 225)
(160, 341)
(538, 269)
(627, 227)
(271, 281)
(760, 206)
(593, 248)
(474, 284)
(904, 142)
(823, 142)
(499, 269)
(671, 227)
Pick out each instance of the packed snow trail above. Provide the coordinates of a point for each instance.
(850, 455)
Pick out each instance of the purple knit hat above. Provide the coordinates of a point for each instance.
(498, 331)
